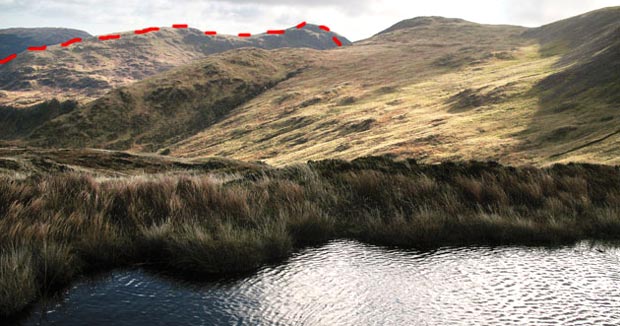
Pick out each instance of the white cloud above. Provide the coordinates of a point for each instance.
(355, 20)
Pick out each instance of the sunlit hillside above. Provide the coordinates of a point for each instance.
(429, 88)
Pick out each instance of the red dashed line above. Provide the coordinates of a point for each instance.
(109, 37)
(8, 59)
(276, 31)
(337, 41)
(146, 30)
(155, 29)
(71, 41)
(37, 48)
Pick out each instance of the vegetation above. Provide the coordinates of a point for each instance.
(16, 122)
(16, 40)
(170, 107)
(88, 70)
(432, 88)
(57, 226)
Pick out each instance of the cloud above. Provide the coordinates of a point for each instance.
(535, 13)
(355, 20)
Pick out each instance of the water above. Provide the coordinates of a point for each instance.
(348, 283)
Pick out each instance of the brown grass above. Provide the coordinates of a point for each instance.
(56, 227)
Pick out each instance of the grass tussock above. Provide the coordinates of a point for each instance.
(57, 227)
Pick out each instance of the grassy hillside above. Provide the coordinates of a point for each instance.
(439, 89)
(16, 40)
(432, 88)
(582, 100)
(155, 113)
(18, 123)
(435, 91)
(87, 70)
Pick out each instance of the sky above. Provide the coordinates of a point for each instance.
(354, 19)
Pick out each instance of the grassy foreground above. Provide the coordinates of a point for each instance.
(56, 227)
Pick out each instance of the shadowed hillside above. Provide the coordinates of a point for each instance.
(18, 123)
(87, 70)
(581, 101)
(16, 40)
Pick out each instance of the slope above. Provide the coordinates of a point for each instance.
(336, 101)
(431, 88)
(16, 40)
(405, 92)
(584, 96)
(169, 107)
(441, 89)
(87, 70)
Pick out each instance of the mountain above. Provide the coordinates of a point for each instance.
(87, 70)
(16, 40)
(430, 88)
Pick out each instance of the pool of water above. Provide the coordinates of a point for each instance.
(349, 283)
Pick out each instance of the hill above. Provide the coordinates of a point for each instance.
(430, 88)
(442, 89)
(87, 70)
(167, 108)
(16, 40)
(581, 99)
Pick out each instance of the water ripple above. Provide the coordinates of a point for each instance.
(348, 283)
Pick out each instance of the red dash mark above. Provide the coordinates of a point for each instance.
(37, 48)
(210, 33)
(276, 31)
(325, 28)
(109, 37)
(8, 59)
(337, 41)
(71, 41)
(146, 30)
(245, 34)
(179, 26)
(301, 25)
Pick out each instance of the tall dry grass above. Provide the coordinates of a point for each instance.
(56, 227)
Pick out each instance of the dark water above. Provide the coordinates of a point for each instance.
(348, 283)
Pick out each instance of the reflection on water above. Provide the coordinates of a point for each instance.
(348, 283)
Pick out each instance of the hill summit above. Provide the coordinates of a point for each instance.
(16, 40)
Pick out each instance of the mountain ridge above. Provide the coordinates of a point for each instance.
(86, 70)
(444, 90)
(16, 40)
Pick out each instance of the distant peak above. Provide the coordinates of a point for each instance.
(310, 27)
(424, 21)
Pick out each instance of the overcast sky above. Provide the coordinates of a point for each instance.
(355, 19)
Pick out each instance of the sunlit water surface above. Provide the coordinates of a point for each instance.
(348, 283)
